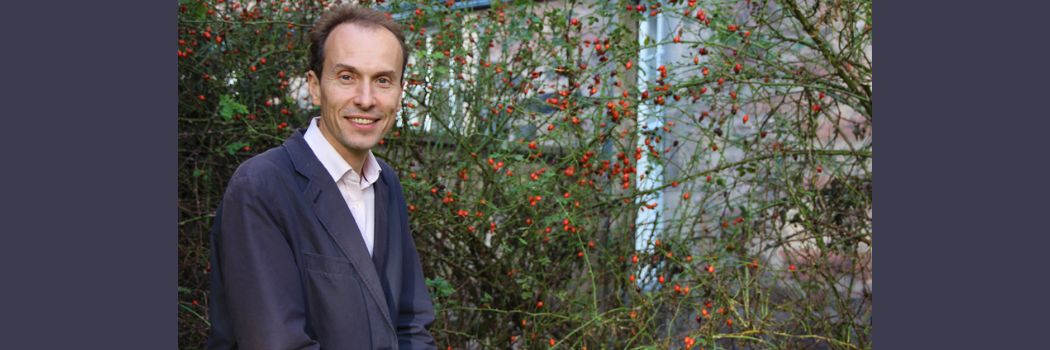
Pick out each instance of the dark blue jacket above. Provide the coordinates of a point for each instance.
(291, 271)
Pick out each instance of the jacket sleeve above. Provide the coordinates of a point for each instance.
(260, 282)
(416, 312)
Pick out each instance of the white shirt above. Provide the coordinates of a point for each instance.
(358, 192)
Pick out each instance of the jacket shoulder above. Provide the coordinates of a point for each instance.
(261, 169)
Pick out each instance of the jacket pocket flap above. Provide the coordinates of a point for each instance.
(327, 264)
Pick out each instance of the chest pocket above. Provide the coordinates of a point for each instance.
(334, 267)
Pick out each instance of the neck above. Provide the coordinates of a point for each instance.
(356, 161)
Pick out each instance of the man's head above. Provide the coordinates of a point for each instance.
(357, 60)
(342, 14)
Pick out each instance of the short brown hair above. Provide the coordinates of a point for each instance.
(350, 14)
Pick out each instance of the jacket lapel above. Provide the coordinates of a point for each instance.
(379, 247)
(336, 218)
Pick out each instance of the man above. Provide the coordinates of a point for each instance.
(311, 246)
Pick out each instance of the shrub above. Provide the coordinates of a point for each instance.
(583, 173)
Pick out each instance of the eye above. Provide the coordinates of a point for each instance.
(384, 81)
(345, 77)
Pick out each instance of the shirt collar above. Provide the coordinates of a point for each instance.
(336, 166)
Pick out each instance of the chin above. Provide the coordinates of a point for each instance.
(364, 146)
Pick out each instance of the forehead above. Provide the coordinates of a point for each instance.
(363, 47)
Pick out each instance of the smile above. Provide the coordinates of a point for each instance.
(362, 121)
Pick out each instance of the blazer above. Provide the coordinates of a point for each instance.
(291, 271)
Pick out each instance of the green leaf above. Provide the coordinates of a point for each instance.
(196, 10)
(228, 107)
(441, 70)
(232, 148)
(440, 286)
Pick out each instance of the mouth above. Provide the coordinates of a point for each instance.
(361, 120)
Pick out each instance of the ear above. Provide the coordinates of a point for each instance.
(401, 95)
(400, 101)
(314, 85)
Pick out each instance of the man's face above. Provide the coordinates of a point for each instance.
(359, 91)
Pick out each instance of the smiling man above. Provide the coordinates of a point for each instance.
(311, 246)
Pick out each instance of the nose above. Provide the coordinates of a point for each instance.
(364, 99)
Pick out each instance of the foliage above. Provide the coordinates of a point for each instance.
(577, 176)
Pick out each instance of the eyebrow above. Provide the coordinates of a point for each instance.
(340, 66)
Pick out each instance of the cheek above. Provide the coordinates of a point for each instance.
(389, 122)
(393, 104)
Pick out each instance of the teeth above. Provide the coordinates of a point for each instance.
(362, 121)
